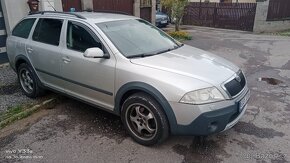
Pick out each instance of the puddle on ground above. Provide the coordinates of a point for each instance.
(251, 129)
(271, 81)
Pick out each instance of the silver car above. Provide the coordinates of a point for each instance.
(129, 67)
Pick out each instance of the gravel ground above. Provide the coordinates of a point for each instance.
(10, 91)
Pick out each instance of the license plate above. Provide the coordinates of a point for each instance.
(243, 102)
(164, 21)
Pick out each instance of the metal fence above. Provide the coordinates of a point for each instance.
(279, 10)
(3, 54)
(239, 16)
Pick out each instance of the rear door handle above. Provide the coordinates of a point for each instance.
(29, 50)
(66, 59)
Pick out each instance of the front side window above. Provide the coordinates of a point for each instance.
(48, 31)
(79, 38)
(23, 28)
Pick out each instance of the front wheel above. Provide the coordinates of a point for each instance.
(144, 119)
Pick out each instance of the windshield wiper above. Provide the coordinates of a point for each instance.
(167, 50)
(141, 55)
(151, 54)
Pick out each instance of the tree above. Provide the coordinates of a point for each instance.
(177, 10)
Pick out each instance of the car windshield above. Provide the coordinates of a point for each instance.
(137, 38)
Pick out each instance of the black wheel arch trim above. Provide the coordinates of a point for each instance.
(151, 91)
(23, 57)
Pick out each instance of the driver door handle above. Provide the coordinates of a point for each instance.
(66, 59)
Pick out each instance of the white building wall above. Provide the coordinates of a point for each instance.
(15, 10)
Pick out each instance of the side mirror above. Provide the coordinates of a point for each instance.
(94, 53)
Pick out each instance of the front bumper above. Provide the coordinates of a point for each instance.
(210, 118)
(161, 23)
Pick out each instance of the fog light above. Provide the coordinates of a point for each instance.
(212, 127)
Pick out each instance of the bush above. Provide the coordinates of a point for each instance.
(180, 35)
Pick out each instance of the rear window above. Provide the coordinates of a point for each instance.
(23, 28)
(48, 31)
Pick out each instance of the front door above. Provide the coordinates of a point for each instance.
(89, 79)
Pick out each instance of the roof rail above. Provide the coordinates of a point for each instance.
(112, 12)
(58, 12)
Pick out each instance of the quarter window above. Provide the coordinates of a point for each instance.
(79, 38)
(48, 31)
(23, 28)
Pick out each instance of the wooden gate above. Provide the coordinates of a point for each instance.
(239, 16)
(145, 9)
(125, 6)
(68, 4)
(145, 13)
(3, 36)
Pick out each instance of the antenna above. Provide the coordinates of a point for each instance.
(51, 5)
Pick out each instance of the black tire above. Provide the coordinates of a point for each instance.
(35, 89)
(148, 108)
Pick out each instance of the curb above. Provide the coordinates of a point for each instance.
(4, 65)
(47, 104)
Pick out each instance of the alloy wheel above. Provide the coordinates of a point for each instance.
(26, 80)
(141, 121)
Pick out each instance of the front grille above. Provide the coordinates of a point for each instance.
(235, 86)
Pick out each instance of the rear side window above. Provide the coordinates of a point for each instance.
(80, 38)
(48, 31)
(23, 28)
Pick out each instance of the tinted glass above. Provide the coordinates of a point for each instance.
(23, 28)
(79, 38)
(134, 37)
(48, 31)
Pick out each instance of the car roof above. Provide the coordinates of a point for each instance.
(93, 17)
(99, 17)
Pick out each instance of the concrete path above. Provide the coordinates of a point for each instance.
(75, 132)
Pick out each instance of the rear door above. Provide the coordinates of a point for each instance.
(16, 42)
(44, 51)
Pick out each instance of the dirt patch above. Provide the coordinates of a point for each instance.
(283, 120)
(251, 129)
(201, 150)
(286, 66)
(246, 144)
(271, 81)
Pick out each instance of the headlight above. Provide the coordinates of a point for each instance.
(202, 96)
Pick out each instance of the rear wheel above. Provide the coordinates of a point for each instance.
(144, 119)
(28, 81)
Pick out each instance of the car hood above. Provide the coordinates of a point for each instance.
(191, 62)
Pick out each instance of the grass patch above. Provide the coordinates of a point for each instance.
(23, 111)
(283, 33)
(10, 112)
(180, 35)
